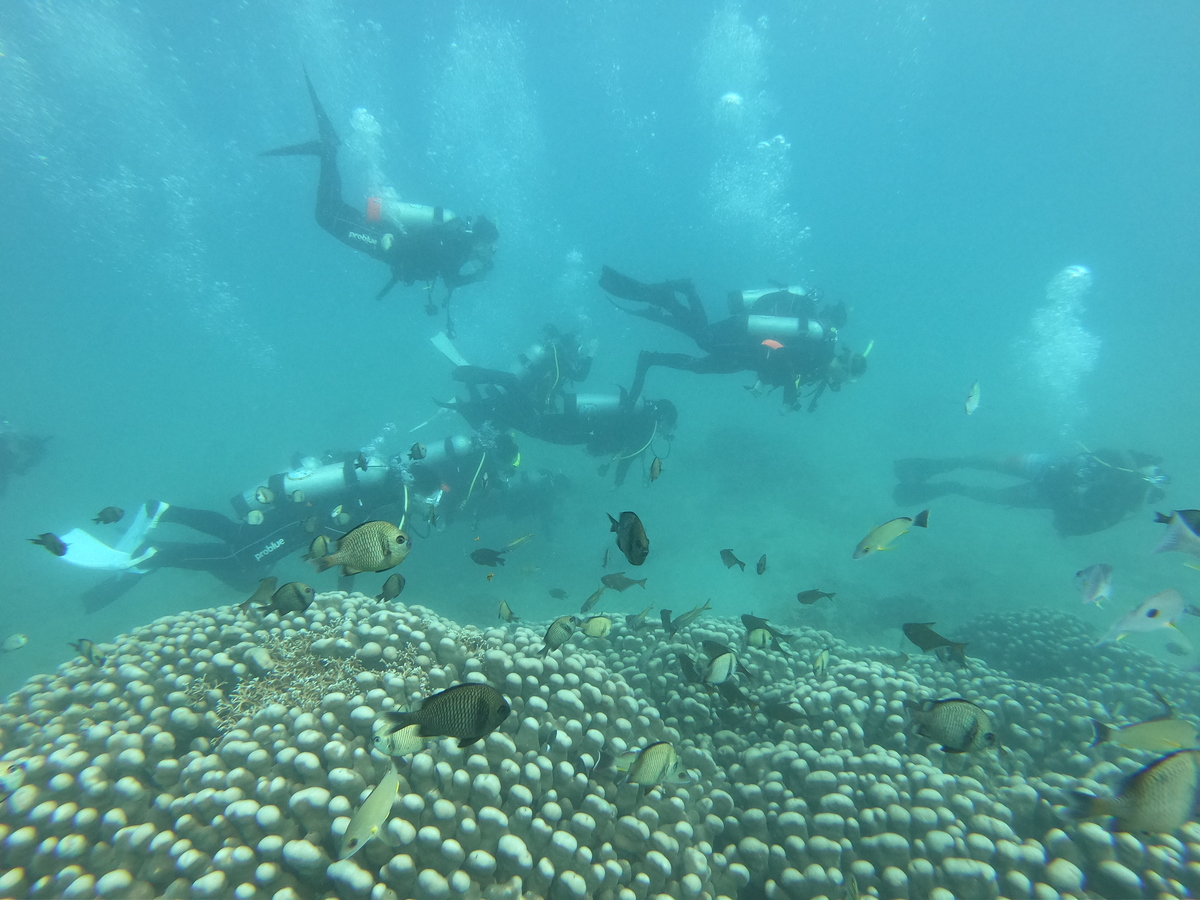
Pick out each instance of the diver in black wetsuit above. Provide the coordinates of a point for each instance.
(535, 398)
(475, 475)
(18, 452)
(1086, 492)
(782, 336)
(420, 243)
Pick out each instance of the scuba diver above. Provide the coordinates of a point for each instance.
(18, 452)
(534, 398)
(1087, 492)
(781, 335)
(419, 243)
(326, 497)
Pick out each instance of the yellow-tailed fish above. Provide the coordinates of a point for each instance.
(653, 765)
(1158, 798)
(1158, 735)
(1160, 611)
(690, 616)
(372, 816)
(597, 626)
(1183, 532)
(821, 663)
(879, 537)
(519, 541)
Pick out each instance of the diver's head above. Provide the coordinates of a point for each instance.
(666, 415)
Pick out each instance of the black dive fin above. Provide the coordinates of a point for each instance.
(311, 148)
(328, 137)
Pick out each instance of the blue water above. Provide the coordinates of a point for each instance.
(178, 323)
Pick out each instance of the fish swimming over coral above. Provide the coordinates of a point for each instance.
(957, 724)
(469, 712)
(881, 536)
(1158, 798)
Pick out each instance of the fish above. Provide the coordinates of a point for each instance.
(1160, 611)
(310, 526)
(618, 582)
(755, 623)
(295, 596)
(651, 766)
(851, 889)
(784, 712)
(597, 626)
(655, 469)
(559, 633)
(808, 598)
(688, 668)
(730, 560)
(360, 462)
(557, 593)
(262, 593)
(469, 712)
(607, 551)
(506, 612)
(417, 451)
(1159, 797)
(491, 575)
(691, 616)
(370, 547)
(665, 615)
(12, 776)
(397, 742)
(592, 600)
(821, 663)
(51, 542)
(1183, 532)
(631, 537)
(368, 820)
(879, 537)
(392, 588)
(336, 511)
(264, 495)
(762, 564)
(957, 724)
(972, 403)
(760, 639)
(1095, 583)
(633, 623)
(485, 557)
(517, 542)
(1177, 649)
(1158, 735)
(318, 548)
(923, 635)
(109, 515)
(720, 668)
(14, 642)
(87, 649)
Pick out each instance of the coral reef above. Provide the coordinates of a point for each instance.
(220, 753)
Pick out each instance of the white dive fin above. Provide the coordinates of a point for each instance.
(442, 342)
(92, 553)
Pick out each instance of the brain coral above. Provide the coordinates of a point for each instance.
(220, 753)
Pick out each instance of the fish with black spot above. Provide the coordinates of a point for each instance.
(959, 725)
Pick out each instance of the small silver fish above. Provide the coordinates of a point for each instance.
(370, 818)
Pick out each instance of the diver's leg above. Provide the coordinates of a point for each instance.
(475, 375)
(206, 521)
(661, 295)
(623, 469)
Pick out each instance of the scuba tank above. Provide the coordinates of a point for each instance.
(457, 445)
(597, 405)
(407, 215)
(783, 327)
(312, 480)
(745, 301)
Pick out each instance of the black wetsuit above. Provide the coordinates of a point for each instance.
(1086, 492)
(441, 249)
(728, 345)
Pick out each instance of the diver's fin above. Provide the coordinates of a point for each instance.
(327, 139)
(310, 148)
